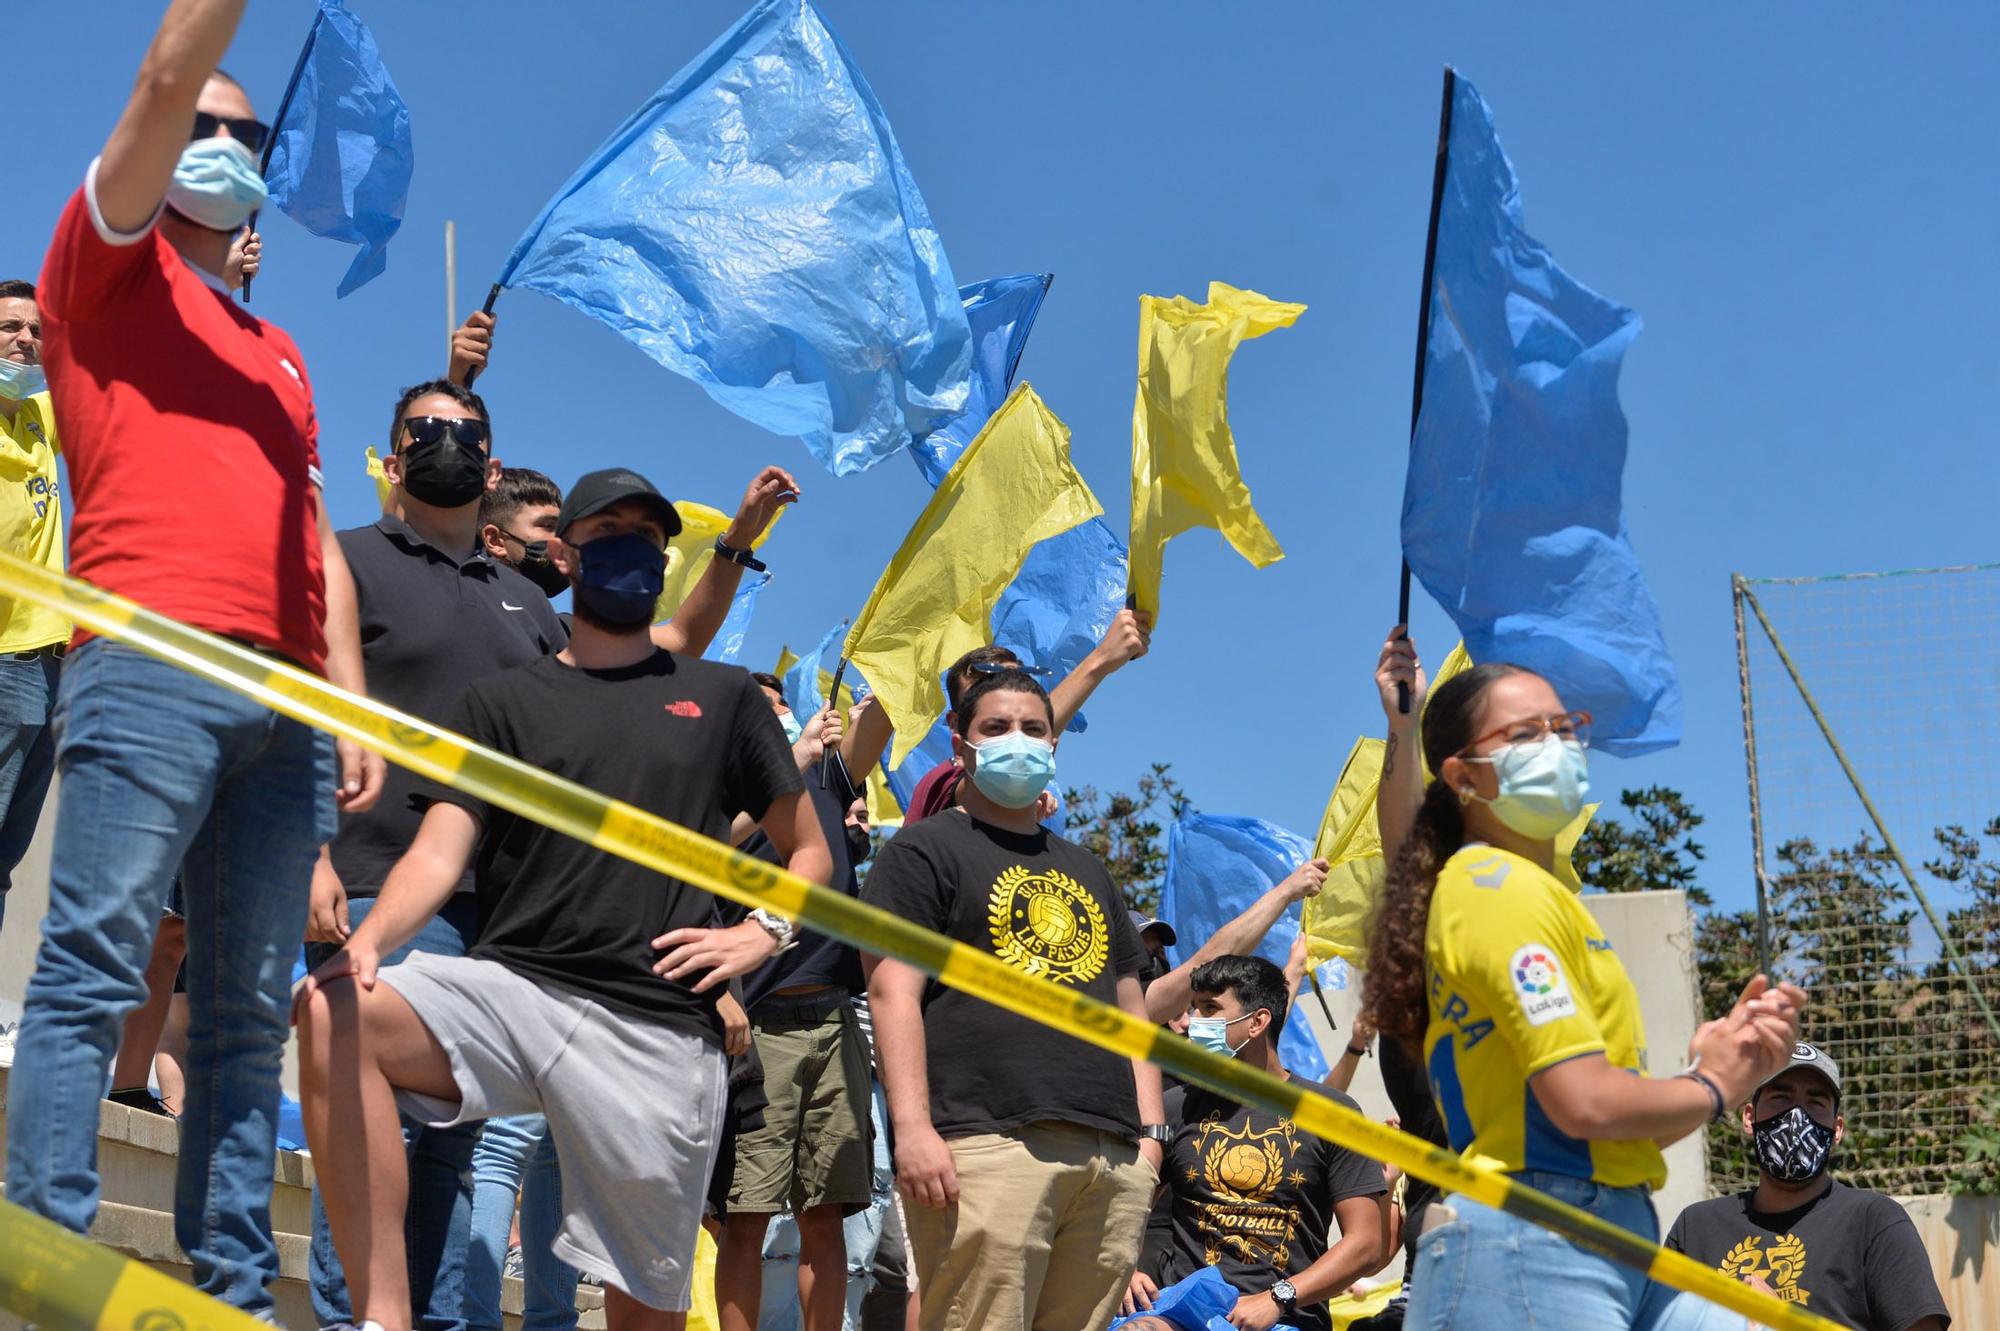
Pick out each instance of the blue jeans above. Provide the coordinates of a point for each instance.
(1487, 1268)
(27, 755)
(438, 1223)
(516, 1159)
(162, 770)
(779, 1309)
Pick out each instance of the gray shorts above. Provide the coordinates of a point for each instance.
(634, 1109)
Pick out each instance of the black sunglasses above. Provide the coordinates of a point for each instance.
(469, 431)
(246, 131)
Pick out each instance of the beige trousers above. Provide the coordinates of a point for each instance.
(1044, 1236)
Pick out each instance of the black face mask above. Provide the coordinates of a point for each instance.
(444, 473)
(1791, 1146)
(1151, 969)
(534, 565)
(858, 844)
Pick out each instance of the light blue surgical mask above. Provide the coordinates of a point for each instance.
(1542, 785)
(1014, 769)
(1212, 1034)
(793, 726)
(18, 381)
(217, 184)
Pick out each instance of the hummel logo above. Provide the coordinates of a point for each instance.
(684, 708)
(505, 606)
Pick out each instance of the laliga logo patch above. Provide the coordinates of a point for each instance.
(1540, 985)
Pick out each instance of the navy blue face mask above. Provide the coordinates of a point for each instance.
(621, 578)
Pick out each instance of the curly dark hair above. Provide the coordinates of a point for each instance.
(1393, 989)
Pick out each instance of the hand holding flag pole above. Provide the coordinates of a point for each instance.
(492, 295)
(277, 121)
(1424, 328)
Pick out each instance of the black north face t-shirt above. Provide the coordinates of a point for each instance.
(1849, 1254)
(1039, 903)
(1253, 1193)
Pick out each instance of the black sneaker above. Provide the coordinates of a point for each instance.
(142, 1099)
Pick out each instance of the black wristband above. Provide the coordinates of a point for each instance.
(735, 556)
(1716, 1106)
(1362, 1052)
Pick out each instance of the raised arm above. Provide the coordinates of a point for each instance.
(700, 616)
(869, 731)
(145, 145)
(1169, 996)
(1127, 639)
(1402, 787)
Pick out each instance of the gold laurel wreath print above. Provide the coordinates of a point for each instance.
(1047, 924)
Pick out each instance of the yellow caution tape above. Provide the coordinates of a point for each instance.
(621, 829)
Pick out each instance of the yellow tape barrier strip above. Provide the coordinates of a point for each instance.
(621, 829)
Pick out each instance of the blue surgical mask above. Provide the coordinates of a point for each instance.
(620, 578)
(1014, 769)
(18, 381)
(1542, 785)
(217, 184)
(793, 726)
(1212, 1034)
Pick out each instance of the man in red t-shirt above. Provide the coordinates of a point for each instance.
(194, 484)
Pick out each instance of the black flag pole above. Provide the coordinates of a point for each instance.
(277, 121)
(1424, 328)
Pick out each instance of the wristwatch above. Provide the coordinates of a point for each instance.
(1157, 1132)
(777, 926)
(1284, 1296)
(735, 556)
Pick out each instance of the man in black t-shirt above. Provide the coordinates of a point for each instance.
(1844, 1253)
(812, 1154)
(1019, 1149)
(589, 996)
(1254, 1195)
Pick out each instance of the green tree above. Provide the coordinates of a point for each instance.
(1126, 831)
(1655, 851)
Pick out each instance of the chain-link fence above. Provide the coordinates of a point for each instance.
(1872, 717)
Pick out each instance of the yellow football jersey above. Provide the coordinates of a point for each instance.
(1521, 978)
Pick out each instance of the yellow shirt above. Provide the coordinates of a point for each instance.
(31, 524)
(1522, 978)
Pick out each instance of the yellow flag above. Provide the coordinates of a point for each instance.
(1014, 486)
(1184, 468)
(690, 553)
(382, 486)
(1350, 841)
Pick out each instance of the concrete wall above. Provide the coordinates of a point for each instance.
(1653, 934)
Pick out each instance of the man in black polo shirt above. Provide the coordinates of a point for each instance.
(566, 1006)
(436, 613)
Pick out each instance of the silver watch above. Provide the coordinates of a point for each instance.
(1286, 1297)
(777, 926)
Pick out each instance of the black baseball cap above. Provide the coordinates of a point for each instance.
(598, 490)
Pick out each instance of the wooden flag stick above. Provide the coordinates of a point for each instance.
(1424, 329)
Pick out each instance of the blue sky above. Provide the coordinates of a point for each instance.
(1798, 200)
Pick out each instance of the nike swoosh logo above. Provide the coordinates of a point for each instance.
(505, 606)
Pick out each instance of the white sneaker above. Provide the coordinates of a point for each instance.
(8, 1033)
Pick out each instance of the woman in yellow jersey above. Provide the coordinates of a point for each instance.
(1529, 1029)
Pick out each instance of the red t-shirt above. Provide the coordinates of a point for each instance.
(935, 792)
(192, 444)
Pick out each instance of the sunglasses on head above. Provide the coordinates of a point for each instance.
(469, 431)
(246, 131)
(997, 667)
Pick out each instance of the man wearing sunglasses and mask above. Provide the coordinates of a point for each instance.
(1801, 1234)
(177, 405)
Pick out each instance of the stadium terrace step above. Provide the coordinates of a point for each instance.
(137, 1154)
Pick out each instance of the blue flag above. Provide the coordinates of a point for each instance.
(728, 644)
(932, 749)
(1001, 313)
(754, 227)
(1512, 515)
(341, 159)
(802, 690)
(1217, 867)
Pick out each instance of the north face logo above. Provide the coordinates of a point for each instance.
(684, 708)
